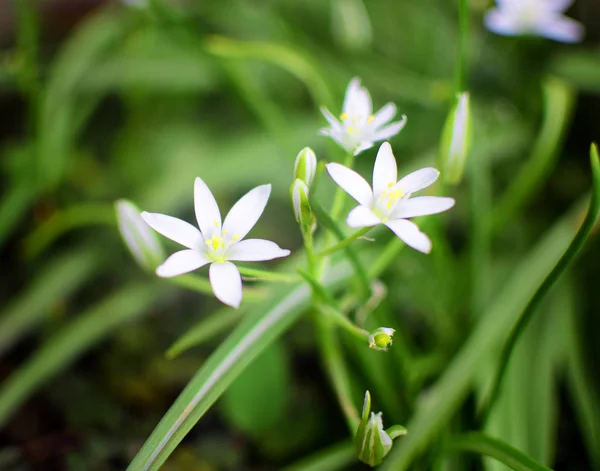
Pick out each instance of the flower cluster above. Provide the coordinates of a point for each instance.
(220, 242)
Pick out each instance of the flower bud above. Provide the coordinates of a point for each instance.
(299, 194)
(372, 441)
(381, 338)
(456, 140)
(305, 166)
(139, 238)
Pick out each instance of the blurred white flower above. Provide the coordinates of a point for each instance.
(389, 202)
(216, 243)
(358, 129)
(534, 17)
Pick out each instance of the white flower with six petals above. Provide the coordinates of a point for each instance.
(358, 129)
(217, 243)
(535, 17)
(389, 202)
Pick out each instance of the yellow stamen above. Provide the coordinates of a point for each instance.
(371, 118)
(351, 130)
(235, 238)
(216, 242)
(385, 220)
(344, 116)
(216, 223)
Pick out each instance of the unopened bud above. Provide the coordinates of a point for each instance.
(139, 238)
(371, 441)
(381, 338)
(305, 166)
(456, 140)
(299, 194)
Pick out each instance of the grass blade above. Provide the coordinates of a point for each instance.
(258, 330)
(482, 444)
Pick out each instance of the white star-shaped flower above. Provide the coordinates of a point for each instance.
(358, 129)
(217, 243)
(534, 17)
(389, 202)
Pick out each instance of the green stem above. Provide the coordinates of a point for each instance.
(558, 269)
(463, 54)
(267, 275)
(338, 373)
(340, 319)
(344, 243)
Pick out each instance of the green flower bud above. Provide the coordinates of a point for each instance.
(139, 238)
(372, 442)
(456, 140)
(299, 194)
(381, 338)
(305, 166)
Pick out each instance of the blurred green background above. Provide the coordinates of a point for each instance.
(106, 100)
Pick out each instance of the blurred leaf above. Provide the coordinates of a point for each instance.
(337, 457)
(13, 206)
(257, 399)
(256, 332)
(488, 446)
(450, 390)
(581, 69)
(58, 124)
(53, 282)
(72, 340)
(206, 329)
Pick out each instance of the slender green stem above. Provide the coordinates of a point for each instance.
(344, 243)
(264, 275)
(480, 196)
(340, 319)
(463, 54)
(202, 285)
(558, 269)
(337, 370)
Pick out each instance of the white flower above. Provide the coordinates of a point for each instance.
(535, 17)
(216, 243)
(359, 129)
(390, 202)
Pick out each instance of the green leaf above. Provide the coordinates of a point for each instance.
(447, 394)
(206, 329)
(337, 457)
(61, 277)
(257, 399)
(258, 330)
(75, 338)
(482, 444)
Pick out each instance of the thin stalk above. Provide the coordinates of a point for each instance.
(264, 275)
(344, 243)
(557, 271)
(463, 52)
(341, 320)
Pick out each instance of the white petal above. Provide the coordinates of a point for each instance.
(389, 131)
(417, 180)
(422, 206)
(181, 262)
(335, 124)
(226, 283)
(558, 6)
(410, 234)
(363, 146)
(361, 216)
(384, 115)
(385, 172)
(351, 97)
(351, 182)
(255, 250)
(502, 23)
(207, 211)
(175, 229)
(560, 28)
(244, 214)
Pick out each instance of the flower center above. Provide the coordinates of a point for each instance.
(387, 200)
(218, 245)
(353, 124)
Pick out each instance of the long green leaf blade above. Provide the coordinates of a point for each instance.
(488, 446)
(257, 331)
